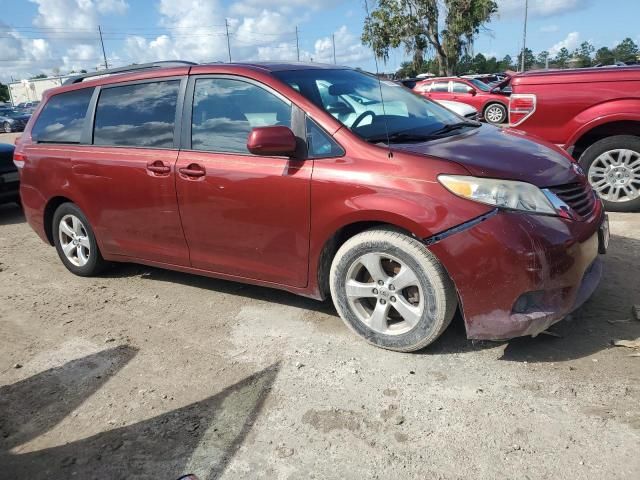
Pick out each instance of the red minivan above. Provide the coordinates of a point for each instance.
(320, 180)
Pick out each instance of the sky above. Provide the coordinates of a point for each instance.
(56, 36)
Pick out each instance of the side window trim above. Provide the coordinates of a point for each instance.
(187, 109)
(88, 127)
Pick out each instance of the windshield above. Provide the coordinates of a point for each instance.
(480, 85)
(354, 99)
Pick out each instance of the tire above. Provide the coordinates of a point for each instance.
(85, 258)
(431, 286)
(612, 166)
(6, 127)
(495, 113)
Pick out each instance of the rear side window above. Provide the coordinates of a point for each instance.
(439, 87)
(141, 115)
(225, 111)
(62, 118)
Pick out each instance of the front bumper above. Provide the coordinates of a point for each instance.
(9, 187)
(517, 274)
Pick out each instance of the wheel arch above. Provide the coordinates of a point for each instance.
(49, 210)
(338, 238)
(600, 129)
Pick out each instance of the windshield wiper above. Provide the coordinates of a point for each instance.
(400, 137)
(453, 126)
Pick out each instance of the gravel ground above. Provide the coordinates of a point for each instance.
(154, 374)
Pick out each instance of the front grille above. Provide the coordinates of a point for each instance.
(580, 197)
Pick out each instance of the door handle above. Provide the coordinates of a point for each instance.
(158, 167)
(193, 170)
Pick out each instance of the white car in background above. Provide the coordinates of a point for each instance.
(460, 108)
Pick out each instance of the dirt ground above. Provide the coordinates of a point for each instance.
(153, 374)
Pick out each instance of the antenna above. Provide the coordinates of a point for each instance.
(384, 112)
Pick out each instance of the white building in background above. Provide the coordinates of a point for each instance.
(32, 90)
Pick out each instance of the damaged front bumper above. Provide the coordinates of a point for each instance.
(518, 274)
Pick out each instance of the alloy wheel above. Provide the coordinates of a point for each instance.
(6, 127)
(385, 293)
(494, 114)
(74, 240)
(615, 175)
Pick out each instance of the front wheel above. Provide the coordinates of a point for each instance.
(75, 241)
(390, 290)
(6, 127)
(495, 113)
(613, 168)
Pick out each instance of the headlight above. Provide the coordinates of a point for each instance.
(500, 193)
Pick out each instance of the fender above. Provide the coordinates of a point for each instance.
(601, 114)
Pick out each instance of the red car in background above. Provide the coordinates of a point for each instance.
(490, 101)
(594, 114)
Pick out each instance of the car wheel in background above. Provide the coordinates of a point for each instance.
(75, 241)
(6, 127)
(392, 291)
(612, 166)
(495, 113)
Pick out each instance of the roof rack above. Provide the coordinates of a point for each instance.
(130, 68)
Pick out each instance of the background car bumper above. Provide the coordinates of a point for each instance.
(517, 274)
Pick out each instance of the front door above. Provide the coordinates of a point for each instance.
(243, 215)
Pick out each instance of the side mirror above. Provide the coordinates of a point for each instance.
(473, 91)
(340, 108)
(275, 140)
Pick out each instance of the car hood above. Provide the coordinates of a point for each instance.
(492, 152)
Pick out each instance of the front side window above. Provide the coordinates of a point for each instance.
(377, 111)
(141, 115)
(226, 110)
(319, 143)
(62, 118)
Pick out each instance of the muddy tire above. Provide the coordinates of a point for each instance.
(390, 290)
(75, 241)
(612, 166)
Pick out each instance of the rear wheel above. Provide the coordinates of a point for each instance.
(390, 290)
(495, 113)
(75, 241)
(613, 168)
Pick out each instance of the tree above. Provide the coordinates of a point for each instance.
(529, 59)
(562, 58)
(583, 54)
(40, 75)
(491, 65)
(506, 63)
(541, 59)
(415, 24)
(626, 51)
(4, 93)
(479, 64)
(604, 56)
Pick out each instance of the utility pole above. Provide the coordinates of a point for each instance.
(524, 36)
(104, 54)
(226, 24)
(333, 40)
(297, 44)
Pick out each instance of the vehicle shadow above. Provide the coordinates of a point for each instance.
(199, 438)
(11, 214)
(252, 292)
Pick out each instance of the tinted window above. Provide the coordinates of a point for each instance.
(439, 87)
(225, 111)
(319, 143)
(62, 118)
(140, 115)
(461, 87)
